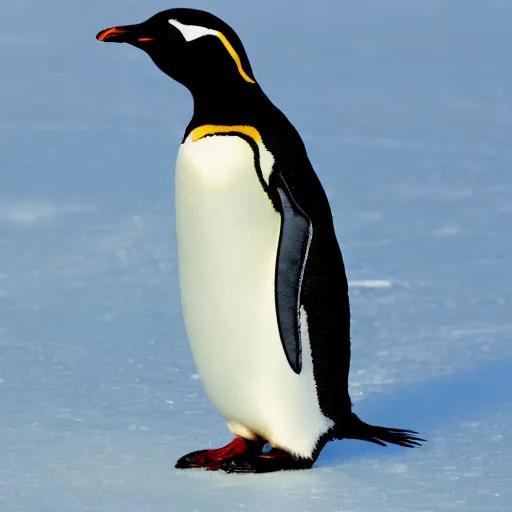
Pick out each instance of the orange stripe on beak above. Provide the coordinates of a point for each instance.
(110, 32)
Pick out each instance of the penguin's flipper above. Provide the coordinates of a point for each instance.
(294, 241)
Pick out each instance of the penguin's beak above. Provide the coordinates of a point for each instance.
(114, 35)
(128, 34)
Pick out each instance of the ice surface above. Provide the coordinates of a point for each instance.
(406, 108)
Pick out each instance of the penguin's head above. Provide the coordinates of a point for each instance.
(193, 47)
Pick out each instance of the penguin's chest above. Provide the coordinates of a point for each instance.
(228, 235)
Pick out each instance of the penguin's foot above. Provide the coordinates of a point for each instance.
(213, 459)
(275, 460)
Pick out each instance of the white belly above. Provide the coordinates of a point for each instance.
(228, 235)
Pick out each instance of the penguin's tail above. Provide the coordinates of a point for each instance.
(358, 429)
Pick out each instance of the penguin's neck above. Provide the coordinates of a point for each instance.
(225, 104)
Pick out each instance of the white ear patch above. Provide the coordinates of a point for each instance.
(191, 32)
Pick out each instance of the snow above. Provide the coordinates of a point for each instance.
(406, 109)
(370, 283)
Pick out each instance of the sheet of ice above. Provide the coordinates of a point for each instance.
(406, 109)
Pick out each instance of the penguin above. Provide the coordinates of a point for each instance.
(262, 281)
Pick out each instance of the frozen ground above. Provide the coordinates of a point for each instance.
(406, 107)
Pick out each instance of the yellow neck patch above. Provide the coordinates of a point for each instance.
(214, 129)
(236, 57)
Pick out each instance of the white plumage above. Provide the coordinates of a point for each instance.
(228, 235)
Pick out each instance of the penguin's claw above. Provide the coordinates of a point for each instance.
(275, 460)
(198, 459)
